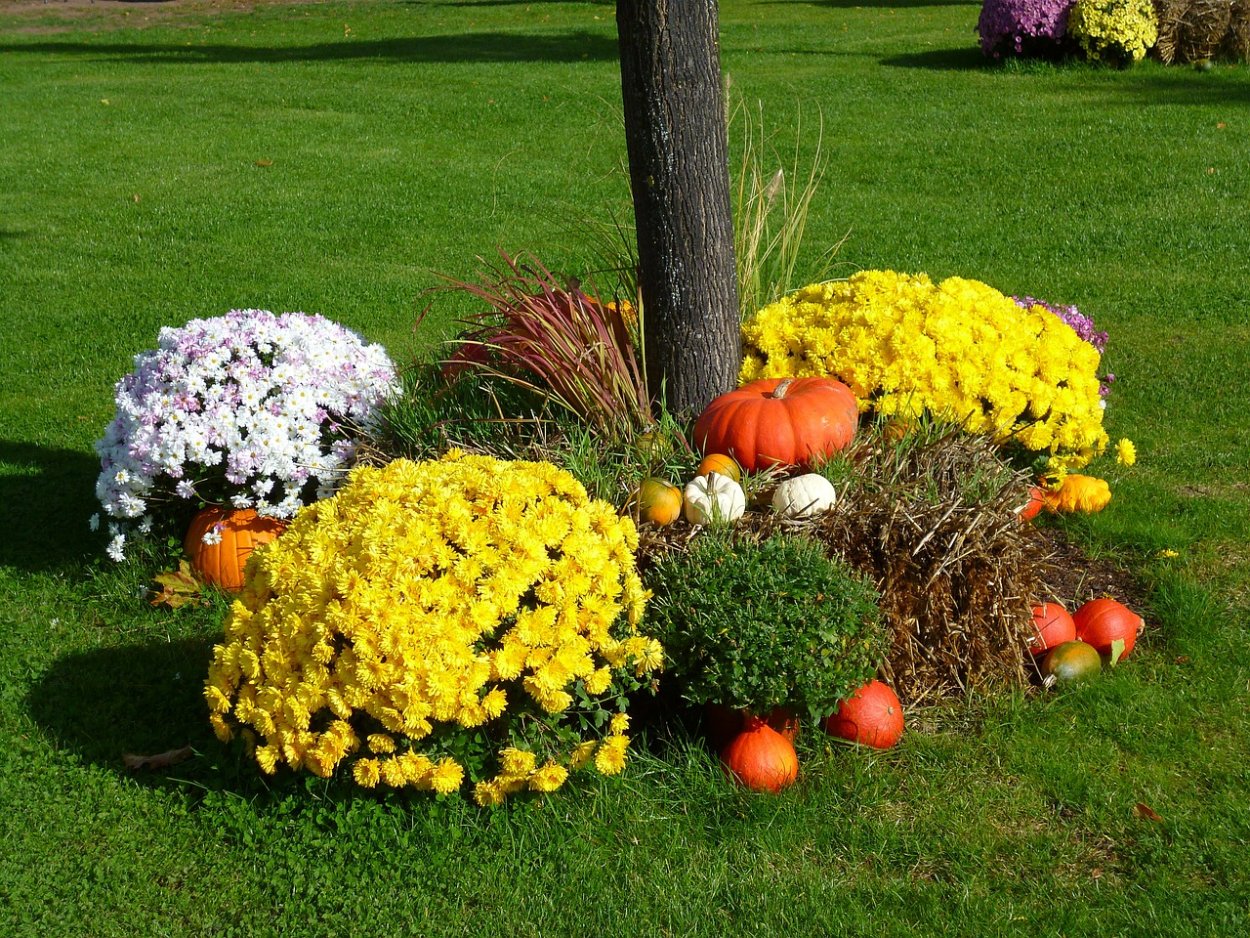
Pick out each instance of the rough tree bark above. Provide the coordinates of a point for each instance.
(678, 168)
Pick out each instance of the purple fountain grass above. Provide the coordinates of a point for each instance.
(562, 343)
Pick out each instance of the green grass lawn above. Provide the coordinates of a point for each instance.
(165, 162)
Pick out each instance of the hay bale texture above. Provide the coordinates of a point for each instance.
(1199, 30)
(1237, 42)
(932, 519)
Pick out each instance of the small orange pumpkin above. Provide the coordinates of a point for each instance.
(718, 462)
(240, 531)
(872, 716)
(659, 502)
(1033, 507)
(1086, 494)
(761, 758)
(1053, 626)
(1101, 622)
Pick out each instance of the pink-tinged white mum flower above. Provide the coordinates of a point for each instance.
(254, 409)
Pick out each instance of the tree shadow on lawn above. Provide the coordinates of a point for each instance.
(49, 495)
(573, 46)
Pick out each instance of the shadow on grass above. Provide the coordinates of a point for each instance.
(141, 699)
(48, 495)
(573, 46)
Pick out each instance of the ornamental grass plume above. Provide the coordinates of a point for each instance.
(248, 409)
(565, 345)
(1023, 27)
(461, 620)
(958, 350)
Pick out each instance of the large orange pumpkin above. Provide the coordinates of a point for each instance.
(761, 758)
(1100, 622)
(779, 422)
(241, 531)
(872, 716)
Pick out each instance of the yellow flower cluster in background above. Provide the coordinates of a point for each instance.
(430, 598)
(1115, 31)
(958, 350)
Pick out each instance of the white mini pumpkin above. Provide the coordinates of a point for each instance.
(714, 499)
(804, 496)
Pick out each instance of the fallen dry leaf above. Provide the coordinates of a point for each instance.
(264, 162)
(161, 760)
(179, 587)
(1143, 810)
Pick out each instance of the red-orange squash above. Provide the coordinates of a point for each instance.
(1053, 626)
(1033, 507)
(723, 723)
(761, 758)
(239, 532)
(779, 422)
(1102, 622)
(872, 716)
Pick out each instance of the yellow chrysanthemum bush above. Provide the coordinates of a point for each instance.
(1120, 32)
(460, 621)
(957, 350)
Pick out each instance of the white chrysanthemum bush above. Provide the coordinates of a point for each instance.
(460, 622)
(958, 350)
(250, 410)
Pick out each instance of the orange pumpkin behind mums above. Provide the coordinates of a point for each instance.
(779, 422)
(237, 533)
(1052, 626)
(761, 758)
(872, 716)
(1102, 622)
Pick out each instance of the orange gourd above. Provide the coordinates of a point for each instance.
(779, 422)
(872, 716)
(718, 462)
(1053, 626)
(761, 758)
(241, 531)
(1087, 494)
(659, 502)
(1101, 622)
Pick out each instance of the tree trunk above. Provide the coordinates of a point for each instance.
(678, 169)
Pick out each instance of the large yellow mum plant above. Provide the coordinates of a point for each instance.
(958, 350)
(462, 619)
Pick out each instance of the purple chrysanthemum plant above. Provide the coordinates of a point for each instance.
(1023, 27)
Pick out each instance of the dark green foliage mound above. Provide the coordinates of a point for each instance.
(756, 624)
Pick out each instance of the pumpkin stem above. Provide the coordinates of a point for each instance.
(780, 390)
